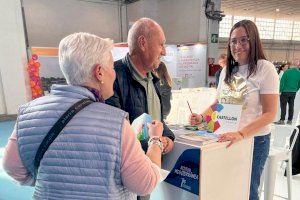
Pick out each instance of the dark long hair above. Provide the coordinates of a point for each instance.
(282, 66)
(255, 50)
(163, 74)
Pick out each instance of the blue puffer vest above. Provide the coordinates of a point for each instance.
(84, 161)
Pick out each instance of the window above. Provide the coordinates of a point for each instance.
(296, 31)
(268, 28)
(239, 18)
(283, 30)
(225, 26)
(265, 28)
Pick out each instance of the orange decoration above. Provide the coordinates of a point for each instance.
(35, 80)
(32, 84)
(37, 64)
(36, 88)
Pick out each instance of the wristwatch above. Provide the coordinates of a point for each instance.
(156, 140)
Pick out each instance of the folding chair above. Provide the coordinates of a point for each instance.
(280, 150)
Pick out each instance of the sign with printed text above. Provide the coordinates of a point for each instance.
(222, 118)
(214, 38)
(191, 65)
(185, 173)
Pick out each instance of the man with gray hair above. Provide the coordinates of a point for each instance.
(136, 88)
(91, 157)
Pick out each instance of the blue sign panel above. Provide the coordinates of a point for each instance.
(185, 173)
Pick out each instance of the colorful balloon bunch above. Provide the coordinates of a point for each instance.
(34, 75)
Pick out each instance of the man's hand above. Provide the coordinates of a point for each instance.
(168, 144)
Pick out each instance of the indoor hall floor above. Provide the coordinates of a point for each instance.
(281, 191)
(11, 191)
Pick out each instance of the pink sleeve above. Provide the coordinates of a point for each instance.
(138, 172)
(12, 163)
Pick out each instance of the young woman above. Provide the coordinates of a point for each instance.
(255, 84)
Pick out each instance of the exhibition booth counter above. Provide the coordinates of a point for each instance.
(206, 172)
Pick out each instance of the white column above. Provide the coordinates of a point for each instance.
(13, 60)
(213, 48)
(2, 105)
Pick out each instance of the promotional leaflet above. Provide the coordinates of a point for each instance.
(222, 118)
(139, 126)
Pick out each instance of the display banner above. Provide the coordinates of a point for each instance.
(170, 59)
(222, 118)
(185, 173)
(191, 65)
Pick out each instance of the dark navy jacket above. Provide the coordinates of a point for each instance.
(130, 95)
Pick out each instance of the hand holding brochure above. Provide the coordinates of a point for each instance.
(140, 127)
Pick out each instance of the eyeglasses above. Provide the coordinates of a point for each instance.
(242, 40)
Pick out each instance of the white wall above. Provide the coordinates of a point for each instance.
(183, 21)
(48, 21)
(13, 60)
(180, 20)
(2, 99)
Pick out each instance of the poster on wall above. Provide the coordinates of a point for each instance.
(191, 65)
(170, 59)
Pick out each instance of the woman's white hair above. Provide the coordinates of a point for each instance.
(78, 54)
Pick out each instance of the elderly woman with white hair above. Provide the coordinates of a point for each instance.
(70, 145)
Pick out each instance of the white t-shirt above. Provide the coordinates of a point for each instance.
(265, 81)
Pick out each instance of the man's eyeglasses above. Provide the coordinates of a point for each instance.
(242, 40)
